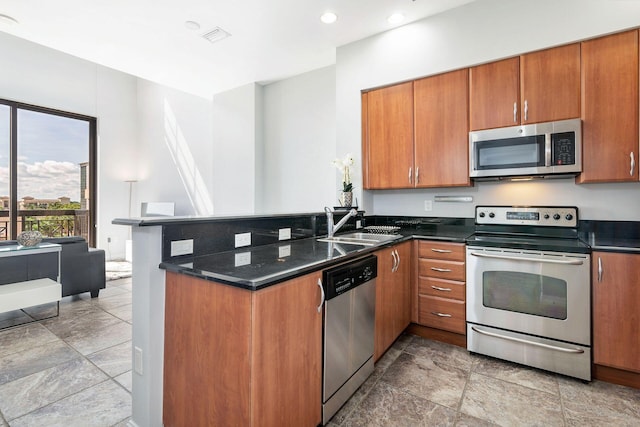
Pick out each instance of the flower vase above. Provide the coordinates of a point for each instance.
(346, 199)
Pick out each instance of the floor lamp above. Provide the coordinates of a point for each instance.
(128, 250)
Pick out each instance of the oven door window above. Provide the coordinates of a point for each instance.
(521, 152)
(526, 293)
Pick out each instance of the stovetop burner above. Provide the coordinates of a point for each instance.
(535, 228)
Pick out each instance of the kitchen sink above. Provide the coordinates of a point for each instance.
(363, 239)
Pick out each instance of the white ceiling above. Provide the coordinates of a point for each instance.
(271, 39)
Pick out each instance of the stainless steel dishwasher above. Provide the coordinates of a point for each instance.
(349, 319)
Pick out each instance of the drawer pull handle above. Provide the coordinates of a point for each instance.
(438, 288)
(441, 270)
(523, 341)
(435, 313)
(441, 251)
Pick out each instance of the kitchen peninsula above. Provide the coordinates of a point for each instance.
(236, 286)
(237, 273)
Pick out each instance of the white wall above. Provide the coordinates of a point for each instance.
(41, 76)
(160, 137)
(235, 134)
(299, 144)
(476, 33)
(175, 150)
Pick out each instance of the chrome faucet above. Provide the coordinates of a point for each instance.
(331, 227)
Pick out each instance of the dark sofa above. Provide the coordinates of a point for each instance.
(82, 269)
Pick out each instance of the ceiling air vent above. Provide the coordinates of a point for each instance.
(216, 34)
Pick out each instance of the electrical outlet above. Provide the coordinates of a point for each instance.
(284, 234)
(428, 205)
(181, 247)
(243, 239)
(108, 239)
(137, 361)
(284, 251)
(243, 258)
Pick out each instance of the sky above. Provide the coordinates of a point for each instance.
(50, 149)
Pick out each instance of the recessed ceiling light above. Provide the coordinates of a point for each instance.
(192, 25)
(396, 18)
(6, 19)
(329, 17)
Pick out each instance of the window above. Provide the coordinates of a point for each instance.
(47, 172)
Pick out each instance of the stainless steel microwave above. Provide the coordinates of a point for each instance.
(549, 149)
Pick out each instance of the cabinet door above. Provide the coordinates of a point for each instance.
(550, 84)
(610, 108)
(616, 318)
(287, 354)
(441, 130)
(393, 296)
(403, 284)
(388, 137)
(494, 94)
(207, 363)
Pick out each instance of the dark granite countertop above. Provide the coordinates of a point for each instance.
(614, 236)
(257, 267)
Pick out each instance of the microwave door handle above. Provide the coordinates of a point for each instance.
(547, 150)
(530, 259)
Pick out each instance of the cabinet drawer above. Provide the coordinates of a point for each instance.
(441, 288)
(441, 250)
(442, 313)
(452, 270)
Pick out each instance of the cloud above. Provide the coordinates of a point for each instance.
(44, 180)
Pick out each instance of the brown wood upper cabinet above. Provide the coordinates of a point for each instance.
(532, 88)
(616, 318)
(415, 134)
(441, 130)
(610, 109)
(387, 140)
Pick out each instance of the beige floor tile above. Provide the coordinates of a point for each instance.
(429, 379)
(599, 403)
(441, 353)
(114, 360)
(24, 337)
(34, 391)
(508, 404)
(102, 405)
(93, 340)
(517, 374)
(388, 406)
(124, 312)
(125, 380)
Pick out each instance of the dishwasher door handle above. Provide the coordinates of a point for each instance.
(321, 295)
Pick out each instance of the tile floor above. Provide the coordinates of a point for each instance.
(419, 382)
(71, 370)
(75, 370)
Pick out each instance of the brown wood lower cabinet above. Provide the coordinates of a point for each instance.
(242, 358)
(393, 296)
(616, 317)
(440, 291)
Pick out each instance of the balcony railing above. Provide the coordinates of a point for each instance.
(49, 222)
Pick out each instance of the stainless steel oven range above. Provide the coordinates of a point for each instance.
(529, 288)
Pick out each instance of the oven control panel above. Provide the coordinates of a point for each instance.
(552, 216)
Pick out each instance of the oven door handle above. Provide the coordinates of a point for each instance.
(523, 341)
(530, 259)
